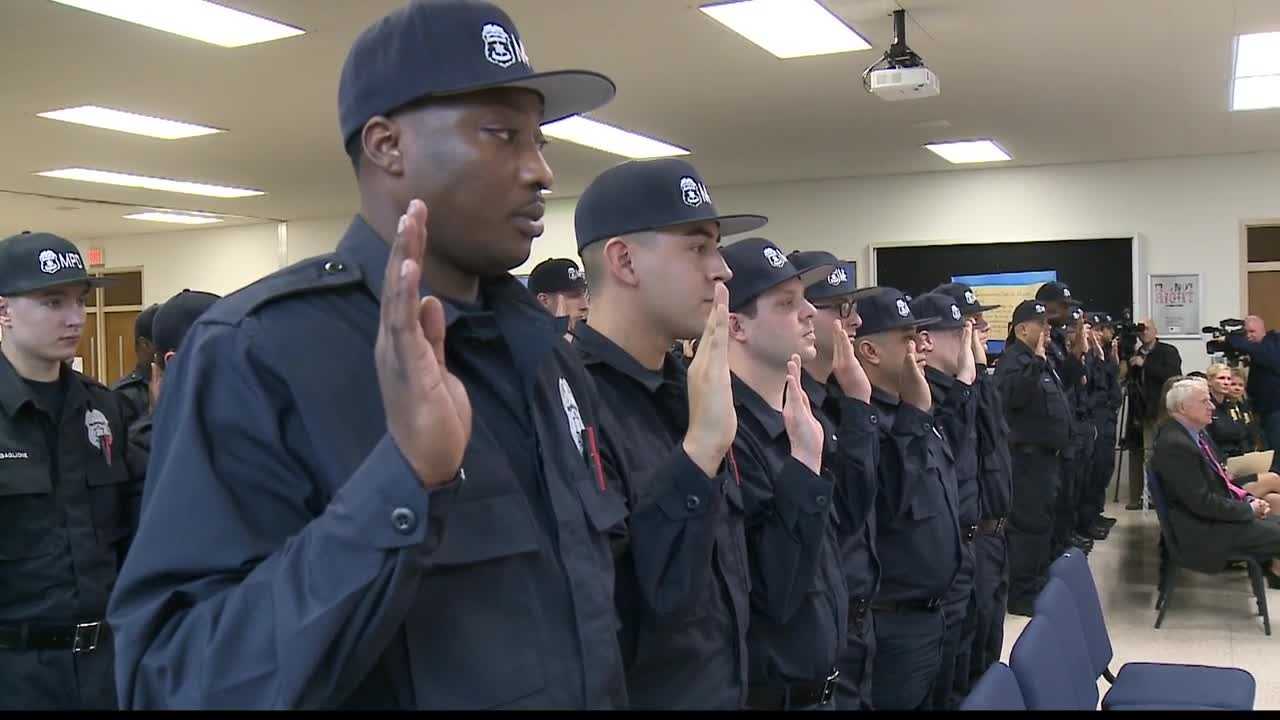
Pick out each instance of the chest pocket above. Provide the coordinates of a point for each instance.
(1055, 404)
(27, 509)
(111, 490)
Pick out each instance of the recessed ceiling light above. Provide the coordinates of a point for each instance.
(593, 134)
(969, 151)
(128, 122)
(197, 19)
(150, 183)
(1256, 80)
(788, 28)
(175, 218)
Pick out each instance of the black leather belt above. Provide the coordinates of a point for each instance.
(901, 606)
(81, 638)
(793, 695)
(993, 526)
(857, 612)
(1035, 450)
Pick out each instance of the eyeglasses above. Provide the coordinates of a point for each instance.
(843, 308)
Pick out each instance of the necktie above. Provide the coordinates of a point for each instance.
(1222, 472)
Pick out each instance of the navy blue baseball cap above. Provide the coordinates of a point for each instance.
(1056, 292)
(642, 195)
(940, 306)
(557, 275)
(841, 283)
(1029, 310)
(39, 261)
(438, 48)
(889, 309)
(965, 297)
(759, 266)
(142, 324)
(176, 316)
(1099, 319)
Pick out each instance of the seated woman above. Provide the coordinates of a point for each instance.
(1247, 415)
(1230, 427)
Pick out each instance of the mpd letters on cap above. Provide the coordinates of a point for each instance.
(500, 48)
(576, 274)
(51, 262)
(837, 277)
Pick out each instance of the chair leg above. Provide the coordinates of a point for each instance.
(1260, 594)
(1167, 596)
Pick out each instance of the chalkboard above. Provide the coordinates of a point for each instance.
(1099, 271)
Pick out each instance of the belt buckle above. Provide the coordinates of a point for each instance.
(829, 687)
(86, 637)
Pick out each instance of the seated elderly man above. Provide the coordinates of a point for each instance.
(1212, 518)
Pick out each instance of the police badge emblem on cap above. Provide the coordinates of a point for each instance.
(1039, 308)
(904, 310)
(837, 277)
(499, 47)
(970, 298)
(955, 312)
(775, 257)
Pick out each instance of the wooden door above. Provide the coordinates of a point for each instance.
(87, 351)
(119, 353)
(1264, 297)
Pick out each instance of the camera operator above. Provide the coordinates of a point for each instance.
(1153, 363)
(1263, 350)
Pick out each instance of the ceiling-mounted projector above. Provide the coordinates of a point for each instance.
(901, 74)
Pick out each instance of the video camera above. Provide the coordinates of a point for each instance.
(1129, 334)
(1217, 344)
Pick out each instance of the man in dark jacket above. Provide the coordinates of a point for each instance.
(1153, 364)
(1263, 349)
(1212, 520)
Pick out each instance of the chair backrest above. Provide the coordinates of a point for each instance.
(1072, 568)
(997, 689)
(1161, 502)
(1049, 658)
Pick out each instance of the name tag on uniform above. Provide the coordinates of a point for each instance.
(14, 455)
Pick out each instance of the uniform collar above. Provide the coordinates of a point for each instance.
(747, 399)
(816, 391)
(880, 397)
(939, 378)
(362, 245)
(597, 348)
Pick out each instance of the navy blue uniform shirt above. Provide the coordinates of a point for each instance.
(916, 508)
(995, 466)
(799, 603)
(288, 556)
(683, 583)
(1035, 402)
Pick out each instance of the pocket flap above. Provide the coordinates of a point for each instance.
(605, 509)
(486, 529)
(25, 477)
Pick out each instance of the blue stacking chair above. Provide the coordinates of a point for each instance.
(997, 689)
(1071, 602)
(1051, 663)
(1171, 561)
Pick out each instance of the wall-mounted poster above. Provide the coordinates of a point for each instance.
(1006, 290)
(1174, 300)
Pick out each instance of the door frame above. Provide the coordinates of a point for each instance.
(101, 310)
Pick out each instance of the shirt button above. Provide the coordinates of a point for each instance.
(333, 266)
(403, 520)
(875, 419)
(692, 502)
(821, 500)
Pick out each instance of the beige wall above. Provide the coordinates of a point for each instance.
(1188, 212)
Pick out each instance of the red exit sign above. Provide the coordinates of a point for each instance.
(96, 257)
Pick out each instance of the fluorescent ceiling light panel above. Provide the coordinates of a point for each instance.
(788, 28)
(969, 151)
(1256, 80)
(128, 122)
(197, 19)
(150, 183)
(593, 134)
(175, 218)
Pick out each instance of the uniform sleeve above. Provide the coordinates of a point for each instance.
(859, 457)
(247, 586)
(1019, 379)
(786, 523)
(671, 529)
(956, 418)
(904, 457)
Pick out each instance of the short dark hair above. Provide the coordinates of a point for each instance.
(750, 309)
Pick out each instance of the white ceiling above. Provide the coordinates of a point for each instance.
(1053, 81)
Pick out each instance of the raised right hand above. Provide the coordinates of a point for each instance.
(427, 408)
(915, 389)
(803, 429)
(712, 419)
(967, 372)
(1040, 344)
(848, 371)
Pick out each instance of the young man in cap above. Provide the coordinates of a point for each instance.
(561, 288)
(664, 432)
(1104, 398)
(1065, 350)
(68, 503)
(1038, 415)
(441, 542)
(134, 389)
(917, 530)
(799, 601)
(951, 370)
(840, 394)
(995, 478)
(171, 322)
